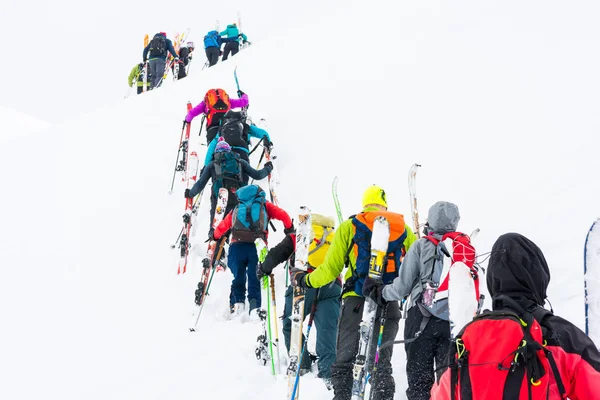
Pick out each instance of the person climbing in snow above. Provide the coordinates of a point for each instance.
(426, 325)
(229, 171)
(351, 244)
(212, 46)
(324, 302)
(157, 49)
(185, 56)
(137, 75)
(237, 132)
(232, 47)
(216, 103)
(517, 280)
(248, 221)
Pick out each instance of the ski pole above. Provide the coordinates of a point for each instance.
(177, 159)
(313, 310)
(278, 362)
(378, 349)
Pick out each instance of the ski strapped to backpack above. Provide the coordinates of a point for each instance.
(361, 247)
(217, 104)
(501, 355)
(250, 220)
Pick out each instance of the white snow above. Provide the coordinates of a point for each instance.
(496, 100)
(592, 281)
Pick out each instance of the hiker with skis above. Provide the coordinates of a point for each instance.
(215, 104)
(137, 75)
(229, 171)
(212, 46)
(351, 246)
(248, 221)
(157, 50)
(232, 47)
(237, 132)
(520, 343)
(323, 303)
(185, 56)
(426, 329)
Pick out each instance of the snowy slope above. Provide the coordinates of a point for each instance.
(498, 106)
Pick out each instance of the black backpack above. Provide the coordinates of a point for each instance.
(234, 130)
(158, 46)
(227, 174)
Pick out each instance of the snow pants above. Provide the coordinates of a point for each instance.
(327, 313)
(383, 386)
(242, 261)
(212, 53)
(230, 47)
(431, 345)
(157, 70)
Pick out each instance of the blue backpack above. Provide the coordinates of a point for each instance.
(250, 220)
(211, 39)
(227, 174)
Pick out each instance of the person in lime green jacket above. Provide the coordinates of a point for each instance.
(351, 247)
(136, 74)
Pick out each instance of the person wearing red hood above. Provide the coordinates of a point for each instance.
(517, 279)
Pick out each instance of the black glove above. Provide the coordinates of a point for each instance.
(269, 166)
(240, 93)
(374, 290)
(291, 230)
(300, 278)
(260, 273)
(187, 194)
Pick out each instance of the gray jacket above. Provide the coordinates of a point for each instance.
(418, 265)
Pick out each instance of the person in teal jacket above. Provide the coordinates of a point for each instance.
(232, 47)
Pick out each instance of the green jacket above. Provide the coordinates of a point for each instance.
(134, 75)
(335, 258)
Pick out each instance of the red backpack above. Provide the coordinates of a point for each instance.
(500, 356)
(217, 104)
(462, 251)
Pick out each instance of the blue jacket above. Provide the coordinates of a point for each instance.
(209, 171)
(212, 39)
(170, 49)
(254, 132)
(233, 32)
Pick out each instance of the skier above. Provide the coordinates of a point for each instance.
(344, 250)
(228, 171)
(185, 56)
(212, 46)
(157, 50)
(216, 103)
(325, 300)
(517, 279)
(247, 222)
(426, 325)
(136, 75)
(237, 132)
(232, 47)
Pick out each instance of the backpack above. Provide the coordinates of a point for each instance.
(323, 230)
(227, 174)
(501, 355)
(211, 39)
(361, 247)
(217, 104)
(250, 220)
(454, 247)
(158, 46)
(233, 133)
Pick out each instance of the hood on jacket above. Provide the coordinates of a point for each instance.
(518, 269)
(443, 217)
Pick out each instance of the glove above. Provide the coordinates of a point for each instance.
(260, 273)
(374, 290)
(190, 57)
(291, 230)
(300, 278)
(240, 93)
(269, 166)
(187, 194)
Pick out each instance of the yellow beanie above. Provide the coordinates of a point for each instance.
(374, 195)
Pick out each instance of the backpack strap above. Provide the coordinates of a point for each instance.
(323, 241)
(540, 314)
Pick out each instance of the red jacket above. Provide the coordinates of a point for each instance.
(273, 212)
(576, 356)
